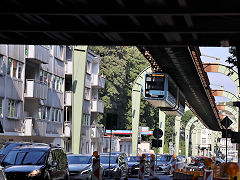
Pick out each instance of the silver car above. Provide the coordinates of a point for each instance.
(80, 167)
(165, 162)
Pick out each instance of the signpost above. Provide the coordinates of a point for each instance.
(226, 122)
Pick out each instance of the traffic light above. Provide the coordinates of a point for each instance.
(156, 143)
(111, 121)
(235, 137)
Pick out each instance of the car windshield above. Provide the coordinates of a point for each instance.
(164, 158)
(25, 158)
(133, 159)
(79, 159)
(105, 159)
(7, 147)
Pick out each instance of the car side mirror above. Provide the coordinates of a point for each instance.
(54, 163)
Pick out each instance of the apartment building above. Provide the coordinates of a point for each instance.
(32, 93)
(91, 132)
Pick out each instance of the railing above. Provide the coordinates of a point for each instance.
(38, 53)
(98, 81)
(97, 106)
(39, 127)
(68, 98)
(96, 131)
(35, 89)
(55, 128)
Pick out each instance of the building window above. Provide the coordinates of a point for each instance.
(1, 107)
(41, 76)
(59, 52)
(20, 67)
(53, 82)
(86, 119)
(1, 64)
(88, 67)
(87, 93)
(9, 66)
(13, 109)
(14, 68)
(56, 115)
(53, 114)
(49, 80)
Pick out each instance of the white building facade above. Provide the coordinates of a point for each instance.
(32, 93)
(36, 96)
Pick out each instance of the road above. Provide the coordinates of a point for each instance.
(159, 176)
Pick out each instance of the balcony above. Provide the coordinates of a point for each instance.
(67, 129)
(54, 128)
(68, 68)
(38, 54)
(68, 98)
(39, 127)
(97, 132)
(35, 89)
(98, 81)
(97, 106)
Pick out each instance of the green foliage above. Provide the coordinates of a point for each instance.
(186, 117)
(121, 65)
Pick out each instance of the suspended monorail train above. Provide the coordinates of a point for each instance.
(162, 92)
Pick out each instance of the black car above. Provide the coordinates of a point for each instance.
(36, 162)
(133, 165)
(8, 146)
(118, 166)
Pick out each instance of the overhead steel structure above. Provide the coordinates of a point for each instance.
(146, 22)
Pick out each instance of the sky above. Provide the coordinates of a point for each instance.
(218, 79)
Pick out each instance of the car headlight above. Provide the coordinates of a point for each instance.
(35, 172)
(85, 171)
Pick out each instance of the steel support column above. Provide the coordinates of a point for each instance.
(136, 99)
(187, 133)
(213, 135)
(78, 84)
(194, 133)
(177, 133)
(162, 118)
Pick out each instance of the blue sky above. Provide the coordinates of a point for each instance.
(217, 78)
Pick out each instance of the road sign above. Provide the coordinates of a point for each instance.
(226, 122)
(157, 133)
(156, 143)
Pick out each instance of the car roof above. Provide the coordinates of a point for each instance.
(88, 155)
(35, 147)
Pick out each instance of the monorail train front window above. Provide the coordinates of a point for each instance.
(156, 83)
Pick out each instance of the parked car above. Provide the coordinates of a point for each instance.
(80, 166)
(8, 146)
(164, 163)
(118, 166)
(36, 162)
(2, 174)
(133, 165)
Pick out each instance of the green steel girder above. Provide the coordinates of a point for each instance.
(187, 133)
(78, 84)
(136, 99)
(177, 133)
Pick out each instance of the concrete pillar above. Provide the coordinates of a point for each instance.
(177, 133)
(162, 117)
(78, 84)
